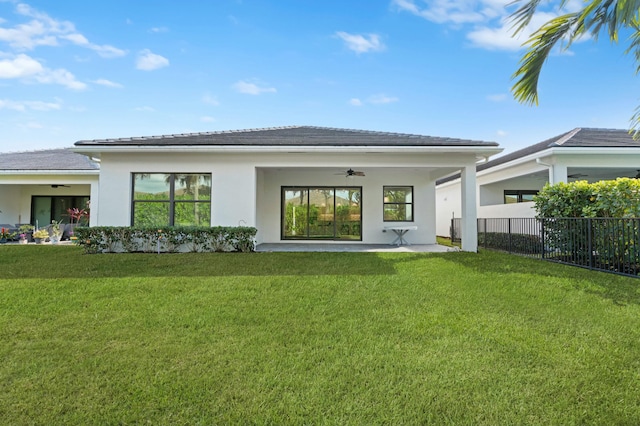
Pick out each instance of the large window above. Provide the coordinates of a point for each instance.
(519, 196)
(322, 213)
(173, 199)
(398, 203)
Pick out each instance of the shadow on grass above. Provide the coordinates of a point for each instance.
(69, 262)
(47, 262)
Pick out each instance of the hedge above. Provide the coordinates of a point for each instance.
(179, 239)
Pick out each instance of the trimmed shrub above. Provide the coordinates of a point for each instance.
(119, 239)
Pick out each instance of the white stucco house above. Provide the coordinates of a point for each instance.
(507, 184)
(37, 187)
(294, 184)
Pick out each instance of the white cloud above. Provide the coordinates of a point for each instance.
(61, 77)
(210, 100)
(382, 99)
(108, 83)
(25, 67)
(501, 133)
(207, 119)
(148, 61)
(43, 30)
(361, 43)
(379, 99)
(487, 23)
(252, 88)
(28, 105)
(453, 11)
(19, 67)
(159, 30)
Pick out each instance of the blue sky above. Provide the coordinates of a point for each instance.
(72, 70)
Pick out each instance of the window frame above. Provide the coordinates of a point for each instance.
(171, 201)
(385, 203)
(307, 236)
(518, 193)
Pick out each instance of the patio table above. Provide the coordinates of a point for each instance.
(400, 232)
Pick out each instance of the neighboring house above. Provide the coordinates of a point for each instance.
(507, 184)
(37, 187)
(291, 183)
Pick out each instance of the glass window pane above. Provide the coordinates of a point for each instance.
(321, 213)
(192, 187)
(151, 186)
(192, 214)
(398, 194)
(510, 198)
(348, 214)
(397, 212)
(150, 214)
(527, 197)
(296, 204)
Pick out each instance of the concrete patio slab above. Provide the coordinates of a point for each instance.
(357, 248)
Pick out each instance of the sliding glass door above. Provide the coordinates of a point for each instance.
(44, 209)
(329, 213)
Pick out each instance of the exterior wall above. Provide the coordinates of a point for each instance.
(246, 188)
(16, 192)
(491, 185)
(233, 184)
(372, 202)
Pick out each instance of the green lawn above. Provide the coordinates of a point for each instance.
(314, 338)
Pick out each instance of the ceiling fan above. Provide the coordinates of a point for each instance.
(351, 173)
(577, 175)
(57, 186)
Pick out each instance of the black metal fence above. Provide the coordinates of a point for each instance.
(605, 244)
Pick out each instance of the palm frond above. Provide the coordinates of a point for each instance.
(522, 16)
(525, 90)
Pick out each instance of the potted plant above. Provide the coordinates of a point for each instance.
(75, 216)
(40, 235)
(56, 232)
(25, 231)
(5, 235)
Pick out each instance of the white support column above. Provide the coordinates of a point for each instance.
(430, 212)
(93, 200)
(469, 221)
(557, 174)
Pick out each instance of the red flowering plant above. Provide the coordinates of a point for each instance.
(5, 234)
(75, 216)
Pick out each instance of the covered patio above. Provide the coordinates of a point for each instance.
(353, 248)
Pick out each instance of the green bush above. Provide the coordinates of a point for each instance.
(513, 243)
(610, 236)
(118, 239)
(613, 198)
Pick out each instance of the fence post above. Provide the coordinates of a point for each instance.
(509, 230)
(542, 230)
(589, 243)
(485, 232)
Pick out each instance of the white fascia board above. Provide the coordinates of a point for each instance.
(479, 151)
(51, 172)
(590, 151)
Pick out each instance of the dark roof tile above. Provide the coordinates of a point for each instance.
(287, 136)
(49, 159)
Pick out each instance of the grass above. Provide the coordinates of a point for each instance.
(314, 338)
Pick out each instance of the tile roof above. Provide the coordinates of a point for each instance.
(49, 159)
(576, 138)
(287, 136)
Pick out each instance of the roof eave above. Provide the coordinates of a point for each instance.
(480, 150)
